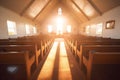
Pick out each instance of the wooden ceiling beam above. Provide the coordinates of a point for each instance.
(80, 10)
(27, 7)
(42, 9)
(94, 6)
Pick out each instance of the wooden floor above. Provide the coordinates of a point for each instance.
(59, 64)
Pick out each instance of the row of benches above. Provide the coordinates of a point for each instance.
(19, 58)
(95, 57)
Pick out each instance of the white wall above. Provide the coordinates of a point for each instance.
(5, 15)
(113, 14)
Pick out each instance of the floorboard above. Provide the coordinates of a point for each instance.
(60, 64)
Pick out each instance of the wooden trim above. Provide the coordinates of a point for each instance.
(94, 6)
(27, 7)
(80, 10)
(42, 10)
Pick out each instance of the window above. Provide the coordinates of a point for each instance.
(34, 30)
(87, 29)
(27, 29)
(49, 28)
(99, 28)
(69, 28)
(11, 27)
(59, 11)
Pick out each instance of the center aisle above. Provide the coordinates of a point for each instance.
(57, 65)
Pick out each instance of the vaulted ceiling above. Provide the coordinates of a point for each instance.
(79, 10)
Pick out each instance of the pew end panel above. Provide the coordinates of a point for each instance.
(102, 65)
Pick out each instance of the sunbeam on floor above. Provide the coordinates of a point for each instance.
(63, 70)
(47, 69)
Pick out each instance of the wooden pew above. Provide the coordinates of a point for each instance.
(104, 59)
(26, 45)
(31, 48)
(84, 50)
(75, 44)
(16, 58)
(96, 42)
(43, 45)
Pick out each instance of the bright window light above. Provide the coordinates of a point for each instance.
(87, 29)
(59, 29)
(34, 30)
(59, 11)
(49, 28)
(99, 28)
(60, 20)
(59, 25)
(27, 29)
(69, 28)
(11, 27)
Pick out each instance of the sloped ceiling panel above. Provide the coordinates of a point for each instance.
(72, 16)
(80, 10)
(46, 11)
(15, 5)
(105, 5)
(35, 8)
(87, 8)
(76, 11)
(71, 19)
(69, 11)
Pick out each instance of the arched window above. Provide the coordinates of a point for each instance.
(59, 11)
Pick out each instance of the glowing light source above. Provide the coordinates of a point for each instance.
(47, 69)
(27, 27)
(34, 30)
(59, 25)
(59, 20)
(59, 29)
(64, 67)
(87, 29)
(69, 28)
(49, 28)
(59, 11)
(99, 28)
(11, 27)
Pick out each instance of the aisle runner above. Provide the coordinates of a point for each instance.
(64, 68)
(64, 72)
(47, 69)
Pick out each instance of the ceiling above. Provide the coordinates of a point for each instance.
(78, 10)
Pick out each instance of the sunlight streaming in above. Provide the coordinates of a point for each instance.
(99, 28)
(47, 69)
(87, 29)
(64, 68)
(11, 27)
(69, 28)
(49, 28)
(60, 22)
